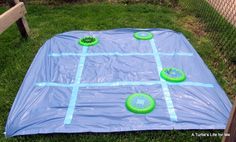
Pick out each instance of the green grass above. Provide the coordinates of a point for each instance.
(17, 54)
(222, 35)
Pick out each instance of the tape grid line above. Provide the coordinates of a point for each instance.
(75, 89)
(120, 54)
(165, 89)
(123, 83)
(77, 84)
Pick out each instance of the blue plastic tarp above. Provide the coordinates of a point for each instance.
(72, 89)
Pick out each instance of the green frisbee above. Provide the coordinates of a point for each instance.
(143, 35)
(173, 75)
(88, 41)
(140, 103)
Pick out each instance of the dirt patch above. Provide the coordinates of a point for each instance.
(193, 25)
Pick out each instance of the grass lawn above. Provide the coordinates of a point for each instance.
(17, 54)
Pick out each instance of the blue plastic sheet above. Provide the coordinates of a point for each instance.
(71, 89)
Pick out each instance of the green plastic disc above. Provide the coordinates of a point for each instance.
(143, 35)
(88, 41)
(140, 103)
(173, 75)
